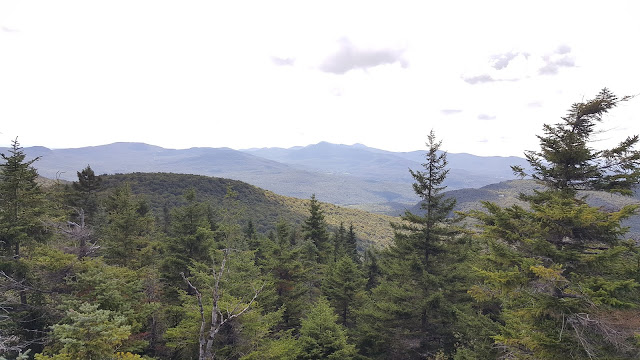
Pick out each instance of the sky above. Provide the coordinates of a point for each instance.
(484, 75)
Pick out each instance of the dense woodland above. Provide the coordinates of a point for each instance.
(109, 267)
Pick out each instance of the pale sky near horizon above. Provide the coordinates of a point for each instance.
(485, 75)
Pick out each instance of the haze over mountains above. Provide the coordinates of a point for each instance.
(349, 175)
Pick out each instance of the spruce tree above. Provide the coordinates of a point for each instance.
(343, 285)
(567, 162)
(190, 240)
(321, 337)
(127, 233)
(283, 261)
(424, 233)
(351, 245)
(86, 189)
(21, 202)
(315, 231)
(560, 271)
(339, 241)
(409, 314)
(22, 225)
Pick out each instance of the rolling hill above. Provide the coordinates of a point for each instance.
(505, 194)
(360, 161)
(348, 175)
(263, 207)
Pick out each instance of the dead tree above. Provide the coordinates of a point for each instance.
(81, 234)
(219, 316)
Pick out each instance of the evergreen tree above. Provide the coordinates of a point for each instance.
(566, 162)
(372, 268)
(321, 337)
(21, 202)
(86, 189)
(351, 245)
(424, 233)
(339, 241)
(128, 229)
(410, 313)
(560, 271)
(90, 333)
(343, 285)
(283, 261)
(315, 230)
(22, 223)
(191, 240)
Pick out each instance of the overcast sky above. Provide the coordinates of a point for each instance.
(485, 75)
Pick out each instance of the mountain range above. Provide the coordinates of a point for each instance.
(347, 175)
(354, 176)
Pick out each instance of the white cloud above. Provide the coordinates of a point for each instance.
(349, 57)
(250, 73)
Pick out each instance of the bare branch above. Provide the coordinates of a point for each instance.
(202, 319)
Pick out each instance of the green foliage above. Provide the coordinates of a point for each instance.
(411, 310)
(223, 318)
(343, 285)
(321, 337)
(424, 234)
(23, 215)
(21, 202)
(283, 261)
(166, 191)
(116, 289)
(351, 244)
(190, 240)
(90, 333)
(128, 230)
(284, 347)
(85, 195)
(566, 161)
(559, 268)
(548, 277)
(315, 230)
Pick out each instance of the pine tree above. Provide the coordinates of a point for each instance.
(559, 270)
(191, 239)
(351, 246)
(315, 230)
(283, 261)
(86, 189)
(566, 162)
(424, 233)
(127, 233)
(21, 202)
(22, 225)
(343, 285)
(409, 313)
(321, 337)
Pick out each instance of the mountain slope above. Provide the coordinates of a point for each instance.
(374, 164)
(220, 162)
(356, 175)
(505, 194)
(263, 207)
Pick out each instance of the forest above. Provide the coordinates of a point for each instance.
(168, 266)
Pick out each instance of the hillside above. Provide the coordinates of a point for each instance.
(219, 162)
(355, 176)
(360, 161)
(505, 194)
(263, 207)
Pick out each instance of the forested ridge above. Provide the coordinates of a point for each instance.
(167, 266)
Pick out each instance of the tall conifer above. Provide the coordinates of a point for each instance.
(560, 269)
